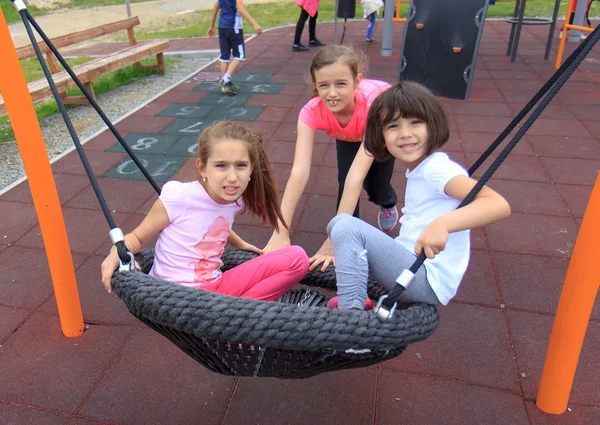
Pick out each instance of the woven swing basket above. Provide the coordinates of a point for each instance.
(296, 337)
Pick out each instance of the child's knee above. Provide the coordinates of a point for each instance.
(299, 258)
(335, 222)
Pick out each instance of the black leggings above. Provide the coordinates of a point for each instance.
(377, 183)
(312, 26)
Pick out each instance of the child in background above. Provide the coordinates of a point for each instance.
(340, 106)
(231, 39)
(408, 122)
(370, 8)
(308, 8)
(193, 221)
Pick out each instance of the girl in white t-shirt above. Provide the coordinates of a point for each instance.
(193, 221)
(408, 122)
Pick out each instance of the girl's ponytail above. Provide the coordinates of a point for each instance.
(261, 196)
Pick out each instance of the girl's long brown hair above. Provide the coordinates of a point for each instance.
(260, 197)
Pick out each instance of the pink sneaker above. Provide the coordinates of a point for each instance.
(387, 218)
(333, 304)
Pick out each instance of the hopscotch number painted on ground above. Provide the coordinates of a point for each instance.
(125, 168)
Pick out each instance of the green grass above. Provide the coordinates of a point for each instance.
(33, 71)
(270, 15)
(102, 84)
(534, 8)
(86, 4)
(11, 15)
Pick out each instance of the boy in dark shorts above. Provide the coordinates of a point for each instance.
(231, 38)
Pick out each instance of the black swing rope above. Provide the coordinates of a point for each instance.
(27, 19)
(343, 32)
(236, 336)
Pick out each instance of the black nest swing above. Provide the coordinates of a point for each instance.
(296, 337)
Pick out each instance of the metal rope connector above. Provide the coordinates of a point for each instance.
(382, 312)
(405, 279)
(19, 5)
(130, 266)
(116, 235)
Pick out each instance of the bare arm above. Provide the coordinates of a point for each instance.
(156, 220)
(487, 208)
(239, 4)
(354, 180)
(213, 17)
(238, 243)
(352, 188)
(299, 175)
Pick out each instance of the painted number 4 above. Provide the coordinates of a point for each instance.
(129, 168)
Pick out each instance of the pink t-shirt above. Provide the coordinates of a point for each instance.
(188, 250)
(316, 115)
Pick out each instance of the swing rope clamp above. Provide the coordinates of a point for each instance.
(19, 5)
(130, 266)
(116, 235)
(405, 279)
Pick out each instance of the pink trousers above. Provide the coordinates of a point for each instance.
(266, 277)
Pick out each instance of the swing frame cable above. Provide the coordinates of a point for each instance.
(116, 234)
(387, 303)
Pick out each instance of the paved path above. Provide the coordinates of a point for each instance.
(152, 12)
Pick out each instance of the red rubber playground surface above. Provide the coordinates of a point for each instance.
(482, 365)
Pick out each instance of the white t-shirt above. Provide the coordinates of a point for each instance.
(425, 200)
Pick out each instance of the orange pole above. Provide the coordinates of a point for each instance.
(563, 39)
(397, 17)
(41, 182)
(573, 313)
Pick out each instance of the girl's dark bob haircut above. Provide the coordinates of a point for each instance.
(406, 99)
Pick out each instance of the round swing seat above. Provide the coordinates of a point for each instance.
(296, 337)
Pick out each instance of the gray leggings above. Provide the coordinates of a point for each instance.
(361, 249)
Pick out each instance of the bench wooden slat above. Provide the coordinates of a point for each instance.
(79, 36)
(39, 89)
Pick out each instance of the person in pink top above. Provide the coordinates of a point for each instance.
(308, 8)
(340, 107)
(193, 221)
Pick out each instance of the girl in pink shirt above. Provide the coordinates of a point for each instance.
(340, 107)
(193, 222)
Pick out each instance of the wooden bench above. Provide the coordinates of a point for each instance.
(93, 69)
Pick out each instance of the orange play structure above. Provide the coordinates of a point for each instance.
(397, 17)
(32, 148)
(566, 28)
(573, 313)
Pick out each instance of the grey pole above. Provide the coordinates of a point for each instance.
(128, 8)
(335, 34)
(388, 28)
(575, 35)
